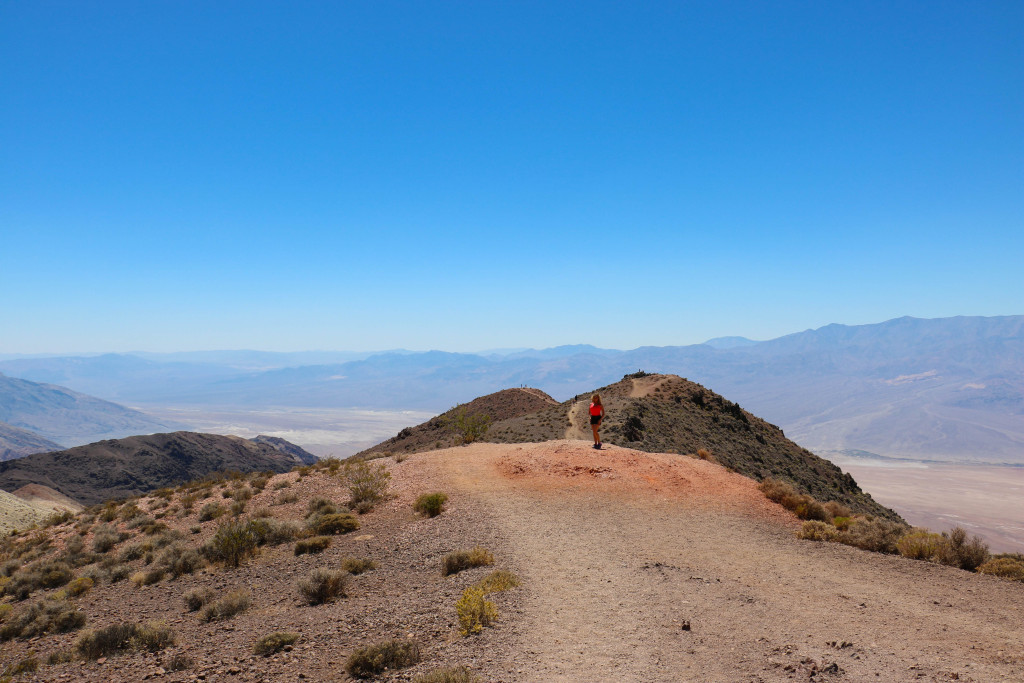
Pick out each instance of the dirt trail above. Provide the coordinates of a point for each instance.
(620, 549)
(576, 428)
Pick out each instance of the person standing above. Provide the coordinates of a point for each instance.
(596, 415)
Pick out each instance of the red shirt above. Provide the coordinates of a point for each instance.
(595, 409)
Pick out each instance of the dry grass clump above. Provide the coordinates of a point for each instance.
(230, 605)
(149, 577)
(372, 660)
(430, 504)
(475, 611)
(274, 642)
(196, 598)
(320, 506)
(79, 586)
(457, 674)
(466, 559)
(49, 615)
(358, 565)
(801, 504)
(39, 574)
(339, 523)
(813, 530)
(959, 551)
(286, 498)
(919, 544)
(367, 484)
(312, 545)
(179, 560)
(705, 454)
(323, 585)
(26, 666)
(1005, 566)
(150, 636)
(210, 511)
(499, 581)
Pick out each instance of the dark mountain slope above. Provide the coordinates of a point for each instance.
(65, 416)
(16, 442)
(437, 433)
(120, 468)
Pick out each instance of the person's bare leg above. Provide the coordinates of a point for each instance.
(596, 439)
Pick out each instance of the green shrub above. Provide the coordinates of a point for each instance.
(323, 585)
(210, 511)
(196, 598)
(367, 484)
(274, 642)
(957, 551)
(466, 559)
(270, 531)
(358, 565)
(231, 604)
(315, 544)
(468, 427)
(37, 575)
(320, 506)
(457, 674)
(814, 530)
(150, 636)
(499, 581)
(430, 504)
(474, 611)
(341, 523)
(919, 544)
(372, 660)
(234, 541)
(49, 615)
(1005, 567)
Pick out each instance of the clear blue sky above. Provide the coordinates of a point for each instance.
(367, 175)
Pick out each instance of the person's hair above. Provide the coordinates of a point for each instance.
(596, 398)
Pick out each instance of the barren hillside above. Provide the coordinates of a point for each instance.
(633, 566)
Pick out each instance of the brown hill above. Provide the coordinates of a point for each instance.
(436, 432)
(118, 468)
(16, 442)
(633, 566)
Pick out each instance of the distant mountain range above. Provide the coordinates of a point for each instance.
(57, 415)
(119, 468)
(943, 389)
(15, 442)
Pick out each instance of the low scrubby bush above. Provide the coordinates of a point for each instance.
(210, 511)
(37, 575)
(474, 611)
(49, 615)
(457, 674)
(320, 506)
(813, 530)
(801, 504)
(315, 544)
(323, 585)
(270, 531)
(79, 586)
(956, 550)
(179, 560)
(430, 504)
(466, 559)
(233, 542)
(150, 636)
(367, 484)
(358, 565)
(274, 642)
(230, 605)
(341, 523)
(1004, 566)
(876, 535)
(196, 598)
(919, 544)
(498, 581)
(367, 662)
(149, 577)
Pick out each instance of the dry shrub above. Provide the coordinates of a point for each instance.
(104, 541)
(320, 506)
(919, 544)
(358, 565)
(286, 498)
(372, 660)
(60, 657)
(367, 484)
(180, 662)
(705, 454)
(341, 523)
(50, 615)
(148, 578)
(323, 585)
(315, 544)
(270, 531)
(1005, 567)
(457, 674)
(474, 611)
(119, 572)
(196, 598)
(814, 530)
(842, 523)
(231, 604)
(39, 574)
(957, 550)
(466, 559)
(234, 541)
(835, 509)
(27, 665)
(430, 504)
(179, 560)
(210, 511)
(274, 642)
(79, 586)
(498, 581)
(875, 534)
(151, 637)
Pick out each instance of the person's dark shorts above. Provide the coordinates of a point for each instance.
(595, 419)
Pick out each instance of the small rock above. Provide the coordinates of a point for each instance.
(686, 625)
